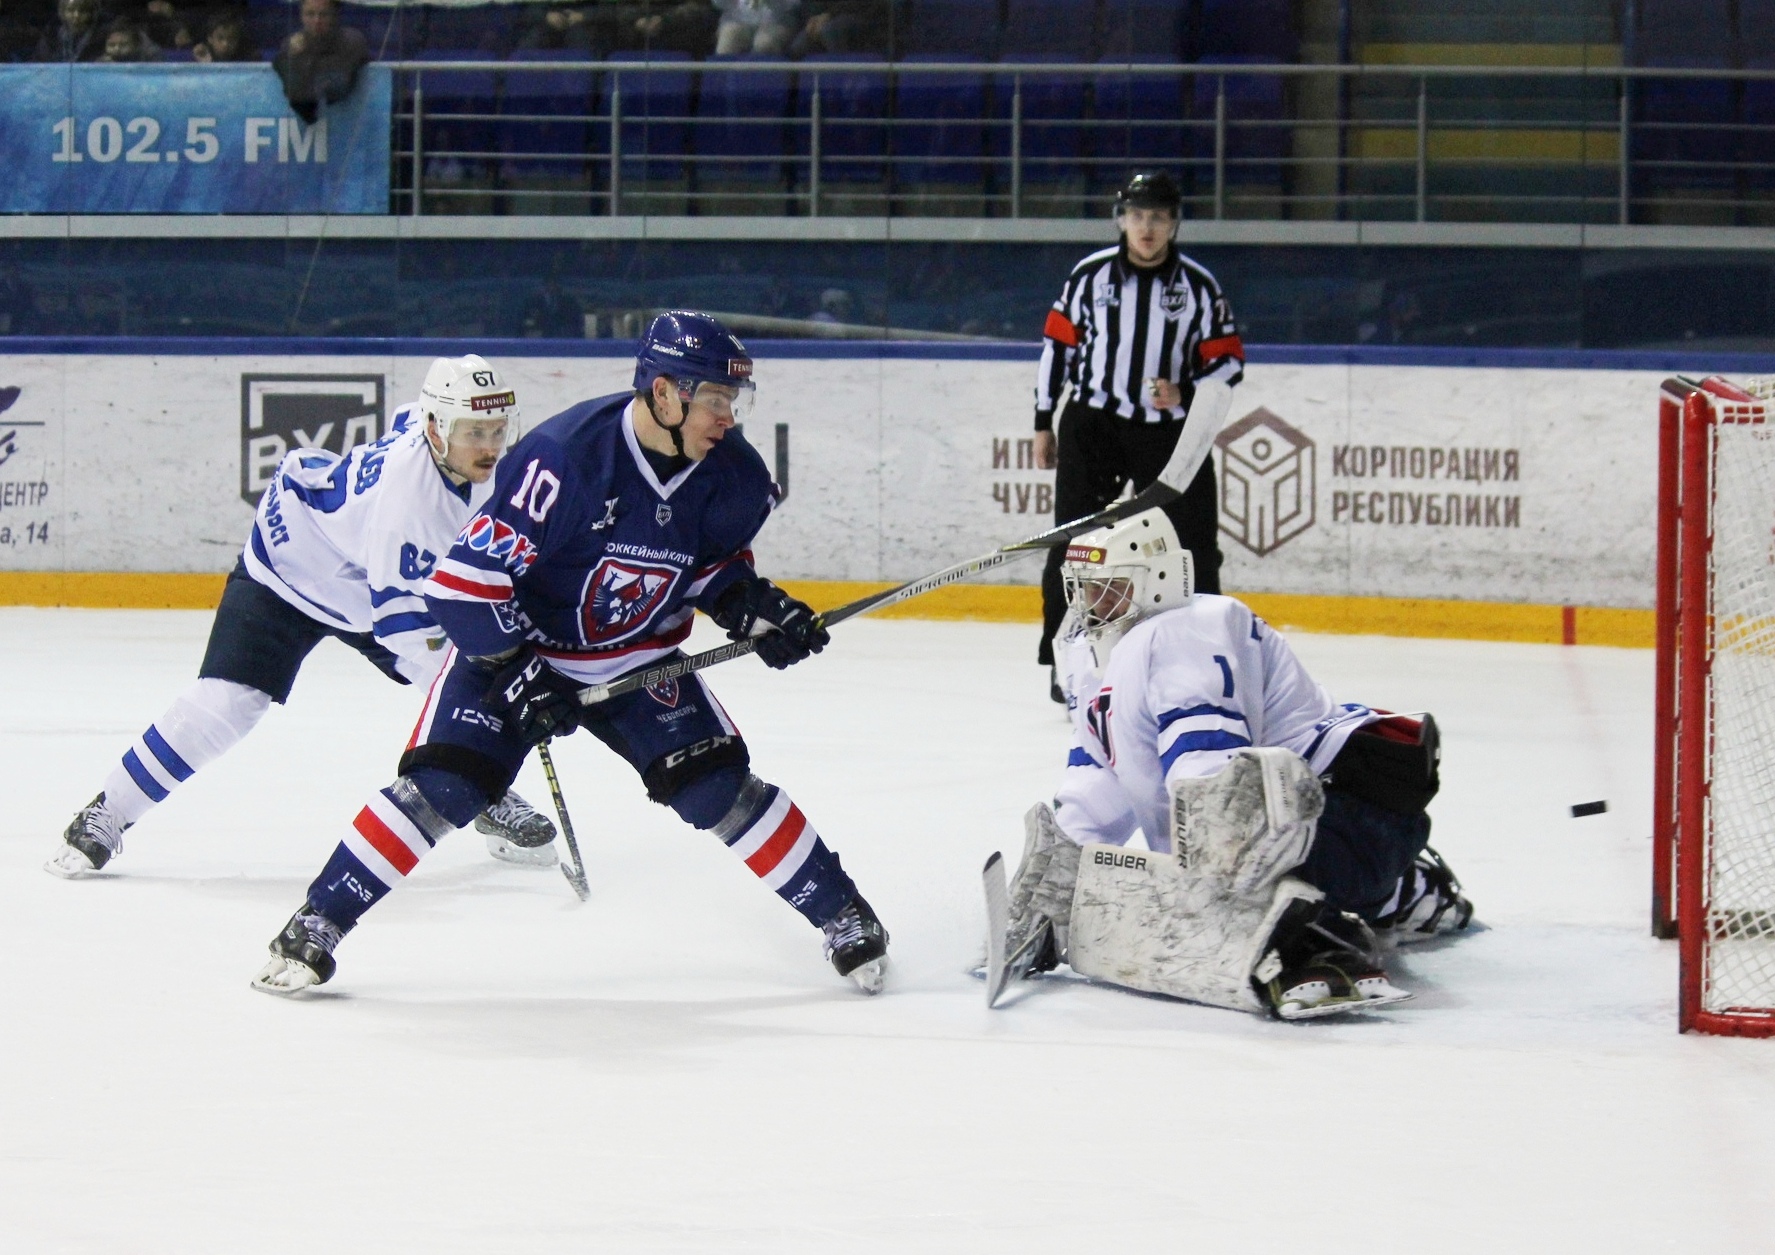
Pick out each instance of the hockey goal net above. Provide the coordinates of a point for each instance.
(1714, 793)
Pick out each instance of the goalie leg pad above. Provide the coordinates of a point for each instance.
(1248, 825)
(1144, 921)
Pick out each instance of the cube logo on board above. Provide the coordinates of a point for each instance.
(1268, 479)
(283, 412)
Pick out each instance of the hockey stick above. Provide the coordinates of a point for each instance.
(575, 871)
(1155, 494)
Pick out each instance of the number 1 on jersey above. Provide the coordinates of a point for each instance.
(1226, 674)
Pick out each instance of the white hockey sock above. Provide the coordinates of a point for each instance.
(202, 723)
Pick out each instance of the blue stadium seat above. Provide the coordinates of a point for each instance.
(1683, 121)
(269, 21)
(1255, 146)
(460, 92)
(954, 30)
(399, 26)
(653, 150)
(484, 28)
(742, 115)
(545, 112)
(852, 96)
(938, 135)
(1053, 30)
(1054, 110)
(1142, 122)
(1683, 33)
(1140, 30)
(1252, 30)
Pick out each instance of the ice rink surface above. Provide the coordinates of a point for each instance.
(672, 1067)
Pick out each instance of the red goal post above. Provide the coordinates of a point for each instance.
(1713, 875)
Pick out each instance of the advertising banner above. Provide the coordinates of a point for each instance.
(1509, 485)
(166, 139)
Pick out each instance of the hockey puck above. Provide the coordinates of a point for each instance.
(1588, 808)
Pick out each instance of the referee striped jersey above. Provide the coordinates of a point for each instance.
(1116, 325)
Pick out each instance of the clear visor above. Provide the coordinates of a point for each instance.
(732, 402)
(1143, 217)
(1100, 598)
(480, 434)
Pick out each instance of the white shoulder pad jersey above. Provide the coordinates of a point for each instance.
(349, 540)
(1182, 691)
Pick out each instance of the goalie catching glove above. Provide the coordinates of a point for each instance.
(787, 630)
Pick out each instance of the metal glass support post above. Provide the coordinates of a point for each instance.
(1017, 146)
(615, 144)
(1220, 149)
(1423, 146)
(418, 147)
(813, 154)
(1624, 193)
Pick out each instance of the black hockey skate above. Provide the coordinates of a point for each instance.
(856, 943)
(1322, 962)
(517, 832)
(93, 838)
(301, 955)
(1430, 903)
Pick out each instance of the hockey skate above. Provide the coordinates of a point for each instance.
(1430, 903)
(301, 955)
(1323, 962)
(517, 832)
(93, 839)
(856, 943)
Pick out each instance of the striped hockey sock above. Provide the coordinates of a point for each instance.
(776, 841)
(203, 723)
(387, 839)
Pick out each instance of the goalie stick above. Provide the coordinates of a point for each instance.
(1002, 968)
(1155, 494)
(573, 867)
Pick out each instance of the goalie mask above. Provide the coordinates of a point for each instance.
(475, 413)
(1116, 576)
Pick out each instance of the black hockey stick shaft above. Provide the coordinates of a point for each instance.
(575, 871)
(1155, 494)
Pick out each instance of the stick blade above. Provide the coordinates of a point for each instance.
(998, 923)
(576, 877)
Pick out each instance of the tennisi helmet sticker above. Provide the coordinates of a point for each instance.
(1084, 553)
(739, 367)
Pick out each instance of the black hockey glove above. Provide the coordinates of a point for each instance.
(794, 633)
(539, 699)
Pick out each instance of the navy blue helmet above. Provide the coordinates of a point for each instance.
(692, 348)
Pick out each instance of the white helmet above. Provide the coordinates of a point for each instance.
(1117, 575)
(459, 389)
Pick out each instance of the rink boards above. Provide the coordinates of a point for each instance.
(1522, 478)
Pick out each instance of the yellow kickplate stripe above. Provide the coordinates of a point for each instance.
(992, 603)
(130, 590)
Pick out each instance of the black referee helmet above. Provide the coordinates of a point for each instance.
(1149, 189)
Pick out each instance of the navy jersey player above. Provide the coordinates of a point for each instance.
(1286, 829)
(609, 527)
(341, 547)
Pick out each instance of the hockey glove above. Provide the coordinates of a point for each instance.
(786, 629)
(541, 701)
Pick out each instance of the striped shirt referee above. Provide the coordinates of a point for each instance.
(1138, 330)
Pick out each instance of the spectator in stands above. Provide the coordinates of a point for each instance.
(225, 41)
(841, 26)
(124, 41)
(76, 35)
(159, 22)
(319, 64)
(584, 27)
(765, 27)
(687, 27)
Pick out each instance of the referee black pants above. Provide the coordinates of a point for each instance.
(1100, 452)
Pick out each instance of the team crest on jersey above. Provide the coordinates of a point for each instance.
(662, 514)
(1174, 298)
(622, 596)
(665, 693)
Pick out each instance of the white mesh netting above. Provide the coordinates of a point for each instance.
(1740, 874)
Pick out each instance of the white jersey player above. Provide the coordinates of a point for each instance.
(1283, 827)
(340, 547)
